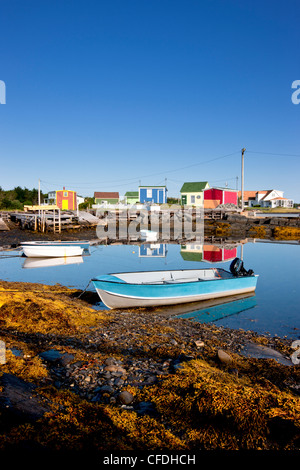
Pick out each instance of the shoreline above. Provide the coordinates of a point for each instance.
(234, 227)
(134, 373)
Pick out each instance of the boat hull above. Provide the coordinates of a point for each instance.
(85, 244)
(37, 251)
(125, 295)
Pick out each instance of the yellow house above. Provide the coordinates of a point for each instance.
(192, 193)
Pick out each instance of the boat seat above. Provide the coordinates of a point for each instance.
(187, 279)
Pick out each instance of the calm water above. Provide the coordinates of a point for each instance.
(275, 308)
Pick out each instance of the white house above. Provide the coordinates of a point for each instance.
(271, 198)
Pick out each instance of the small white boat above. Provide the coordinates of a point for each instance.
(149, 235)
(48, 251)
(155, 288)
(82, 243)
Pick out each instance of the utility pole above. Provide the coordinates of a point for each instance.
(242, 182)
(39, 196)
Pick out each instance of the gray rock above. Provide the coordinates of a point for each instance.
(263, 352)
(19, 399)
(52, 355)
(224, 357)
(126, 397)
(66, 359)
(107, 389)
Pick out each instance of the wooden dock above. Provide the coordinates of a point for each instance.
(3, 225)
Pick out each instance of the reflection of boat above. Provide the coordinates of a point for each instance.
(230, 306)
(82, 243)
(149, 235)
(55, 251)
(48, 262)
(153, 288)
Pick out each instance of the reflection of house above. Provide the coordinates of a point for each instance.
(63, 198)
(213, 197)
(109, 197)
(192, 252)
(192, 193)
(131, 197)
(269, 198)
(157, 250)
(216, 254)
(209, 253)
(155, 194)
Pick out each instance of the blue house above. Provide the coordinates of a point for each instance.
(155, 194)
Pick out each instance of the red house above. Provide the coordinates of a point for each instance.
(66, 199)
(213, 197)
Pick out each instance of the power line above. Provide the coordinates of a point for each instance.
(99, 183)
(274, 154)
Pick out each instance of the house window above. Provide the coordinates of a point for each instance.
(149, 192)
(65, 194)
(192, 199)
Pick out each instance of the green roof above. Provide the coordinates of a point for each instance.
(132, 194)
(193, 187)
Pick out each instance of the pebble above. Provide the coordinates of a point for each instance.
(126, 397)
(224, 357)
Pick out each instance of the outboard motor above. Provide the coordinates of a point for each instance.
(237, 268)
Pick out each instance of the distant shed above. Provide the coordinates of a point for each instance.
(66, 199)
(213, 197)
(154, 194)
(109, 197)
(132, 197)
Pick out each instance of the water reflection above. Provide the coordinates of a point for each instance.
(277, 297)
(224, 308)
(208, 252)
(153, 250)
(30, 263)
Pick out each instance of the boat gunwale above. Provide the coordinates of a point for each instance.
(162, 283)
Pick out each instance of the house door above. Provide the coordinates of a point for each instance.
(65, 204)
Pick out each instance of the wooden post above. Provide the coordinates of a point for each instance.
(59, 221)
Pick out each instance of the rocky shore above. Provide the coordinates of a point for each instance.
(72, 377)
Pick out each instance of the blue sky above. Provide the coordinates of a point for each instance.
(104, 95)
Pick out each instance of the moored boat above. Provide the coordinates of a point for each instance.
(85, 244)
(156, 288)
(46, 251)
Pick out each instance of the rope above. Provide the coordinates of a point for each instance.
(78, 297)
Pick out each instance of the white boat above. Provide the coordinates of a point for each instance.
(82, 243)
(48, 251)
(156, 288)
(149, 235)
